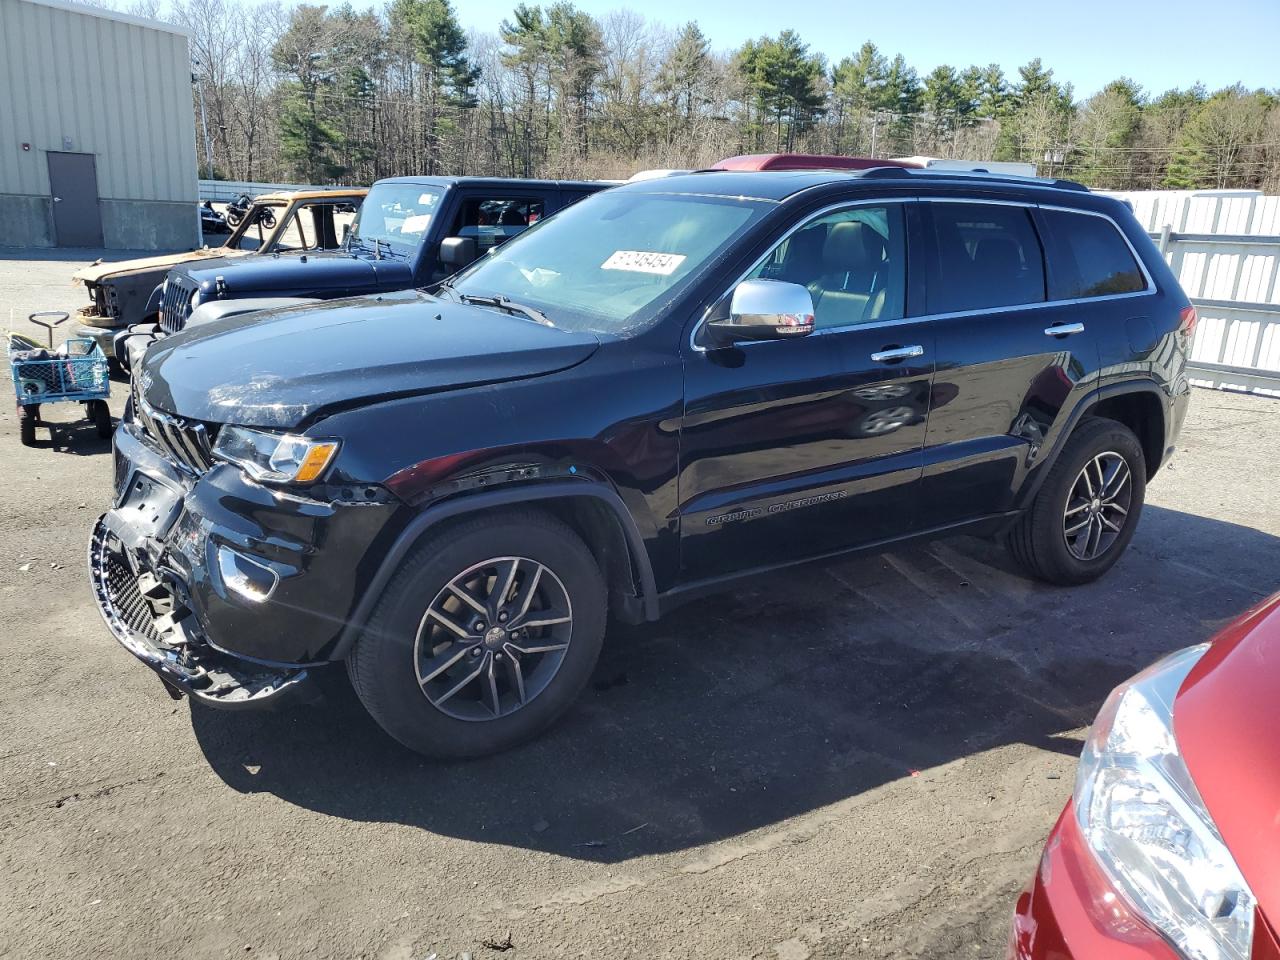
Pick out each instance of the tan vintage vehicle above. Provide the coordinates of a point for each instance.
(128, 291)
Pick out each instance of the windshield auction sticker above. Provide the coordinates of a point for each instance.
(638, 261)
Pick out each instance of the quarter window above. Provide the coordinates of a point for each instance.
(1088, 257)
(853, 262)
(988, 256)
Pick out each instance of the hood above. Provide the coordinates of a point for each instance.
(97, 272)
(1226, 716)
(331, 273)
(281, 368)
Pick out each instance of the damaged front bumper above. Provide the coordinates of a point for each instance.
(144, 599)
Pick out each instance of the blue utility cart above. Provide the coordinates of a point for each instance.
(75, 371)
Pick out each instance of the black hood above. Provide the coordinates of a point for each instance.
(307, 274)
(280, 368)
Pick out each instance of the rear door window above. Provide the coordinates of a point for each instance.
(988, 255)
(1088, 257)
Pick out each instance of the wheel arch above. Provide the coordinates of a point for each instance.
(1142, 412)
(1138, 404)
(594, 511)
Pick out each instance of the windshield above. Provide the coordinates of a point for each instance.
(608, 263)
(394, 218)
(255, 227)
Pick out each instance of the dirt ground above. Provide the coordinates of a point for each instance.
(861, 760)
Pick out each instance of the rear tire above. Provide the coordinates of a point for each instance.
(28, 417)
(1068, 535)
(455, 607)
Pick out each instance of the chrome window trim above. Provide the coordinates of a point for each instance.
(951, 315)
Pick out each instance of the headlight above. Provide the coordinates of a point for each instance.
(194, 301)
(276, 457)
(1142, 816)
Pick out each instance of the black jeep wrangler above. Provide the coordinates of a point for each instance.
(409, 232)
(667, 387)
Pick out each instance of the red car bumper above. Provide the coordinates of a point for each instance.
(1070, 911)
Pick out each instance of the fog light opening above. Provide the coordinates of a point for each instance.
(250, 579)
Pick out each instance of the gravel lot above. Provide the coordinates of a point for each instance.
(860, 760)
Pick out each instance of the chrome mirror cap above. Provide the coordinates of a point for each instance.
(766, 310)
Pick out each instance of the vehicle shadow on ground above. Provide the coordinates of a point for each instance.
(743, 710)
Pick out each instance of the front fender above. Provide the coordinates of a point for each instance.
(421, 525)
(154, 301)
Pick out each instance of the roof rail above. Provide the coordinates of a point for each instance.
(980, 176)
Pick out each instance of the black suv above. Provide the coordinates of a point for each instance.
(664, 388)
(409, 232)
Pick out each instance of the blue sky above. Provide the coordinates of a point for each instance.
(1086, 42)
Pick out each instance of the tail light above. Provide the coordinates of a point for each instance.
(1187, 318)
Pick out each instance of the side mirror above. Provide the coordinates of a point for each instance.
(766, 310)
(457, 251)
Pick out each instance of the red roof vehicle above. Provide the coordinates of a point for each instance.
(804, 161)
(1168, 849)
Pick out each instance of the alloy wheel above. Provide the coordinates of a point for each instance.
(1097, 506)
(493, 638)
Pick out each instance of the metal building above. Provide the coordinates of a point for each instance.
(97, 129)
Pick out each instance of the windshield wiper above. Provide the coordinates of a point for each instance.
(505, 303)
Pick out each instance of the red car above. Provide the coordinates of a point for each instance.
(1170, 847)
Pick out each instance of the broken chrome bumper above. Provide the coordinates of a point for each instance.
(143, 595)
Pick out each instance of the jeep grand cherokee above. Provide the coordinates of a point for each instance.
(665, 388)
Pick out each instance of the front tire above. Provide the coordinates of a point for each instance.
(1087, 510)
(484, 637)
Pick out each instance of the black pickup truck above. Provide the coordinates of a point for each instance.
(410, 232)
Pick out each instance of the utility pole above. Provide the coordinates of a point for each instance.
(204, 121)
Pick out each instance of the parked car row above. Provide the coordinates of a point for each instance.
(445, 453)
(128, 293)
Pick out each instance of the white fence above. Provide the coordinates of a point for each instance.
(1224, 247)
(220, 191)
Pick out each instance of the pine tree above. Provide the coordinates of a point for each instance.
(782, 78)
(686, 68)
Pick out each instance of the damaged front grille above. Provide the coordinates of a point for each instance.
(103, 305)
(187, 442)
(150, 615)
(130, 605)
(175, 305)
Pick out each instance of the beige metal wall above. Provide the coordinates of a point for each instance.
(86, 80)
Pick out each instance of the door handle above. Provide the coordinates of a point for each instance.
(894, 354)
(1064, 329)
(57, 199)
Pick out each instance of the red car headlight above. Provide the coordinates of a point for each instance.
(1143, 818)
